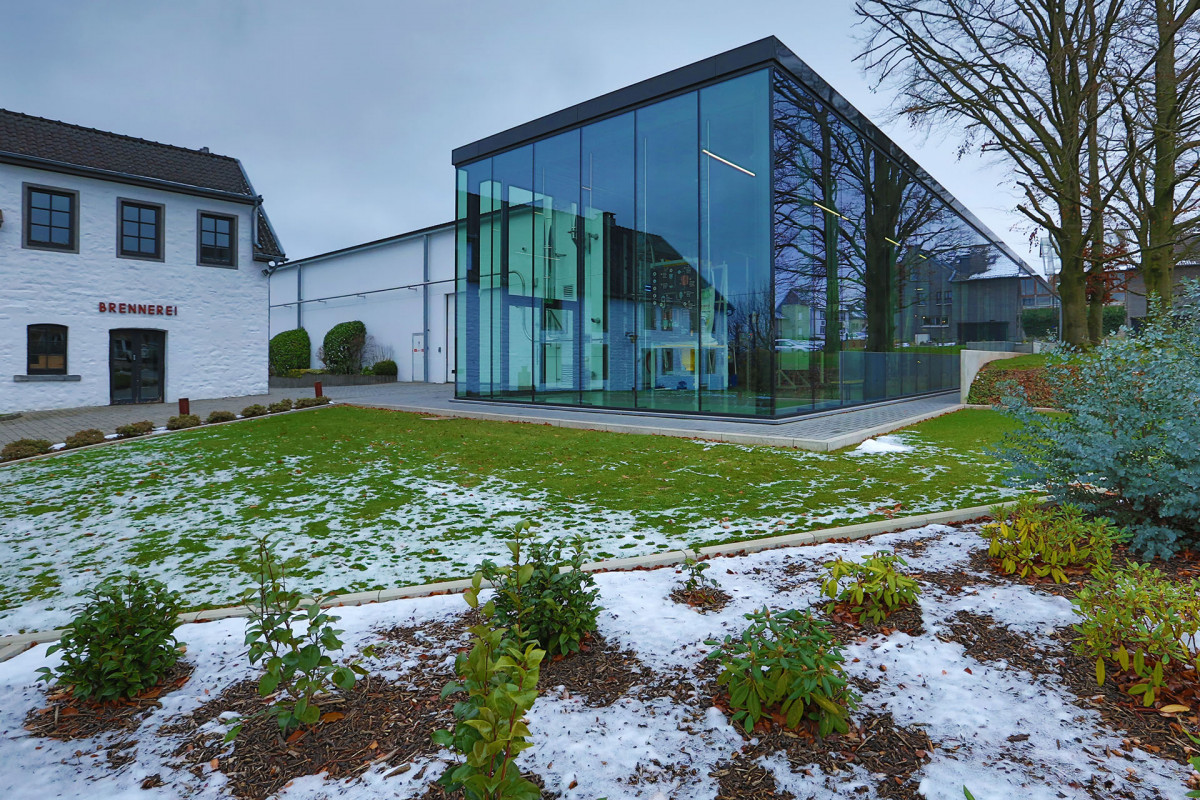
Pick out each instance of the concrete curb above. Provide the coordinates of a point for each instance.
(156, 435)
(11, 646)
(815, 445)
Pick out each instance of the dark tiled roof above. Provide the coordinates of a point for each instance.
(91, 149)
(24, 135)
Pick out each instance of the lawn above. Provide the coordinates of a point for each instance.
(357, 499)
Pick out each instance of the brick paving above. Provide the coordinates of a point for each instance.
(823, 432)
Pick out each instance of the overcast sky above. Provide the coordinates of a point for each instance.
(344, 113)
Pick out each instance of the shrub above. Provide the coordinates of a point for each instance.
(875, 587)
(255, 410)
(786, 660)
(385, 367)
(121, 641)
(557, 609)
(289, 350)
(293, 636)
(1047, 541)
(220, 416)
(135, 429)
(309, 402)
(1040, 323)
(1139, 622)
(280, 405)
(341, 352)
(85, 438)
(1129, 445)
(499, 675)
(183, 421)
(997, 379)
(24, 448)
(1114, 318)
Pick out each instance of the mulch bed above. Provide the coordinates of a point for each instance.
(889, 752)
(983, 639)
(703, 600)
(67, 718)
(375, 723)
(601, 672)
(846, 625)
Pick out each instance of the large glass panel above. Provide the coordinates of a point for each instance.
(516, 256)
(668, 255)
(473, 377)
(609, 283)
(735, 314)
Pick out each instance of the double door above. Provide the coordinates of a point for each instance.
(137, 365)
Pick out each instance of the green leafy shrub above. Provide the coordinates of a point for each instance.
(499, 676)
(135, 429)
(220, 416)
(385, 367)
(697, 589)
(183, 421)
(342, 349)
(85, 438)
(787, 661)
(1128, 446)
(121, 641)
(289, 350)
(255, 410)
(280, 405)
(309, 402)
(1113, 319)
(24, 448)
(872, 589)
(1048, 541)
(559, 607)
(292, 636)
(1139, 622)
(1040, 323)
(1195, 764)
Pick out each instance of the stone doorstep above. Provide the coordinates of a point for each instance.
(151, 435)
(11, 646)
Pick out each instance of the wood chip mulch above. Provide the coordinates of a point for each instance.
(67, 718)
(703, 600)
(375, 723)
(890, 753)
(600, 672)
(983, 639)
(846, 625)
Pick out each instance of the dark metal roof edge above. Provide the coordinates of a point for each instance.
(62, 167)
(375, 243)
(764, 52)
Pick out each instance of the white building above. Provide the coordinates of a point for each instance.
(401, 288)
(130, 271)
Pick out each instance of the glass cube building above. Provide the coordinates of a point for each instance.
(730, 238)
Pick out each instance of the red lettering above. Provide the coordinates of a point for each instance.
(120, 308)
(101, 306)
(158, 310)
(112, 308)
(170, 311)
(141, 309)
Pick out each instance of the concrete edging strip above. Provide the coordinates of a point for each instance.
(11, 646)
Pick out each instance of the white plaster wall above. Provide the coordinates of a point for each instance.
(216, 346)
(395, 302)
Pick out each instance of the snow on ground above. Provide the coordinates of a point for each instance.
(883, 444)
(653, 748)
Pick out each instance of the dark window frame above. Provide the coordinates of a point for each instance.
(159, 237)
(29, 350)
(27, 190)
(232, 263)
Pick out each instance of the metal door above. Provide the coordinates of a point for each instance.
(137, 365)
(418, 357)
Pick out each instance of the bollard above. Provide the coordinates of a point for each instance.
(317, 389)
(185, 407)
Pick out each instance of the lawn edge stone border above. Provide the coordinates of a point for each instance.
(14, 645)
(151, 435)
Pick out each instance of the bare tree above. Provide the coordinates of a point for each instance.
(1019, 73)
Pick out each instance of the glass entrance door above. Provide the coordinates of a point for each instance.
(136, 363)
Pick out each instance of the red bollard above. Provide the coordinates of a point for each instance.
(185, 407)
(317, 389)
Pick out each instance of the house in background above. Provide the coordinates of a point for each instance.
(133, 271)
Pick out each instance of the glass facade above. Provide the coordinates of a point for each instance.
(739, 249)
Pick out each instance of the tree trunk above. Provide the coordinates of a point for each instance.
(1158, 262)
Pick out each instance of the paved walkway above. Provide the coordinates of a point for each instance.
(829, 431)
(57, 425)
(825, 432)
